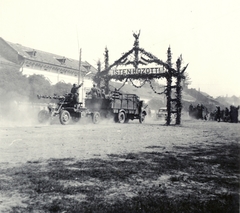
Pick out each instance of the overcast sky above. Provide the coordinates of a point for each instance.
(205, 32)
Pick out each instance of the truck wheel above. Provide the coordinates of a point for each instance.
(64, 117)
(121, 117)
(43, 116)
(96, 117)
(142, 117)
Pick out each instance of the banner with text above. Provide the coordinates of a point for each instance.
(138, 71)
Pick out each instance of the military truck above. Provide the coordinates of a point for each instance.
(120, 107)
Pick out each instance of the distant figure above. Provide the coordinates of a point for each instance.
(199, 111)
(190, 110)
(75, 93)
(218, 113)
(95, 92)
(234, 114)
(103, 94)
(226, 115)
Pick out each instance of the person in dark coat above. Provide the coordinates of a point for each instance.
(75, 93)
(218, 113)
(226, 115)
(190, 110)
(234, 114)
(95, 92)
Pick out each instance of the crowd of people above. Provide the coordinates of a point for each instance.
(225, 115)
(198, 112)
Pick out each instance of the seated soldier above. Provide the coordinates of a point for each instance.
(103, 94)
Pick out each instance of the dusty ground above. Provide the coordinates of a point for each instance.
(112, 167)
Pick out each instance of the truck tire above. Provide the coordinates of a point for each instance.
(64, 117)
(121, 117)
(142, 117)
(43, 116)
(96, 117)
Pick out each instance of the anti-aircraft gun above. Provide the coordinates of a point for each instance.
(63, 106)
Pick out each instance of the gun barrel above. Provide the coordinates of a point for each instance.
(50, 97)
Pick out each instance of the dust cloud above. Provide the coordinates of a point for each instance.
(15, 113)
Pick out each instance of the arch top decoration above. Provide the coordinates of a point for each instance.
(137, 63)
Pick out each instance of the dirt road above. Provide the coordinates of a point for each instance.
(20, 144)
(28, 146)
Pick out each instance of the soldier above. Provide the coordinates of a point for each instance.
(95, 92)
(74, 92)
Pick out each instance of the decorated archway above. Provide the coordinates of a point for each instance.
(138, 64)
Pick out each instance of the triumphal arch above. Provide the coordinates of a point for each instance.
(137, 63)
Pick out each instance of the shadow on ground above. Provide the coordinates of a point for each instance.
(193, 179)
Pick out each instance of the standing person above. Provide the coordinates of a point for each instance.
(218, 113)
(190, 110)
(199, 112)
(75, 93)
(226, 115)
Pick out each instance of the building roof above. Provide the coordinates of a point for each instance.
(50, 58)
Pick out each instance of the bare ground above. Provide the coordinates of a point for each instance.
(120, 168)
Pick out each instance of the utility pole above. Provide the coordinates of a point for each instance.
(79, 65)
(80, 73)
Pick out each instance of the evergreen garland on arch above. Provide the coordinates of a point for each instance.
(159, 93)
(136, 85)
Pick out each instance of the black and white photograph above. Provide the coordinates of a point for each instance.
(127, 106)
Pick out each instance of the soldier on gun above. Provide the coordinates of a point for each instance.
(75, 93)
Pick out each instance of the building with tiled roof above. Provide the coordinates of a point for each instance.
(54, 67)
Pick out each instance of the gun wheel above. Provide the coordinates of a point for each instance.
(65, 117)
(96, 117)
(43, 116)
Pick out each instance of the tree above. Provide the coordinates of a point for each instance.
(39, 85)
(61, 88)
(187, 80)
(13, 84)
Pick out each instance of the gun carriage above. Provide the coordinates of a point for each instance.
(62, 106)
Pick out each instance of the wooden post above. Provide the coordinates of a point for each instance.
(169, 84)
(178, 92)
(106, 61)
